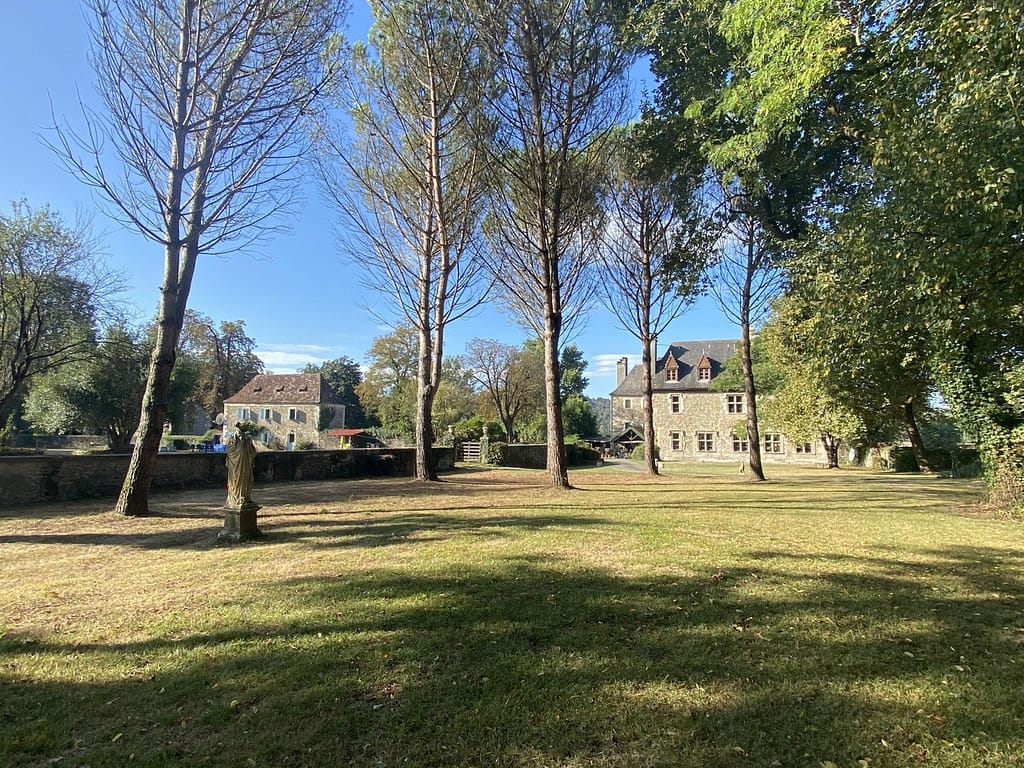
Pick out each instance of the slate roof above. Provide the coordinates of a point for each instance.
(688, 355)
(285, 389)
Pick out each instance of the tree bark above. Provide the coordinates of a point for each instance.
(425, 391)
(916, 441)
(650, 458)
(553, 396)
(749, 390)
(133, 500)
(831, 445)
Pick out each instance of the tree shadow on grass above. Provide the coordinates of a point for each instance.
(373, 528)
(533, 663)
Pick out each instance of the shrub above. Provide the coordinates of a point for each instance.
(497, 453)
(580, 454)
(638, 453)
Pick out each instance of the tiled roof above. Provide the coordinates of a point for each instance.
(688, 355)
(285, 389)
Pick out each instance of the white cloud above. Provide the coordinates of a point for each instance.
(605, 364)
(285, 358)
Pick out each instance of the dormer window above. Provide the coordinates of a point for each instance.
(671, 369)
(704, 369)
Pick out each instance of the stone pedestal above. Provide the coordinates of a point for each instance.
(239, 522)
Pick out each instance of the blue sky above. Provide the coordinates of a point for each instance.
(315, 309)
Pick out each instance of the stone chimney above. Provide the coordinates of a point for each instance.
(621, 369)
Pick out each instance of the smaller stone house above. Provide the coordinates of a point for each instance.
(691, 421)
(290, 410)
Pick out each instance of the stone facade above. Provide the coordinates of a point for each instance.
(291, 410)
(692, 422)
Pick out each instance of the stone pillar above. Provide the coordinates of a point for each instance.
(239, 522)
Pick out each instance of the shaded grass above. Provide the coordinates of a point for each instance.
(691, 620)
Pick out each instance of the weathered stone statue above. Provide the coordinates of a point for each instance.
(240, 509)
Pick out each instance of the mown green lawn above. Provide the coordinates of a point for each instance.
(822, 618)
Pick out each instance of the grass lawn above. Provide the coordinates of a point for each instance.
(822, 619)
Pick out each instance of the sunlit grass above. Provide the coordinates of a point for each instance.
(696, 619)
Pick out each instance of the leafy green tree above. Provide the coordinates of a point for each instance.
(769, 374)
(50, 281)
(572, 364)
(226, 357)
(922, 100)
(803, 406)
(388, 388)
(511, 378)
(456, 396)
(804, 411)
(873, 360)
(766, 179)
(344, 376)
(100, 395)
(579, 417)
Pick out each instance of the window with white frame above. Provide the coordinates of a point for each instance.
(677, 440)
(705, 442)
(266, 414)
(804, 448)
(704, 374)
(675, 403)
(293, 414)
(627, 404)
(265, 437)
(740, 444)
(671, 374)
(242, 414)
(772, 442)
(734, 403)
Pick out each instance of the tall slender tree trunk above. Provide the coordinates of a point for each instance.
(749, 389)
(133, 500)
(426, 387)
(553, 396)
(916, 441)
(179, 268)
(647, 363)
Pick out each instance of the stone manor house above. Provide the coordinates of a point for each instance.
(291, 410)
(691, 421)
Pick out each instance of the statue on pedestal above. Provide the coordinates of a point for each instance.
(239, 508)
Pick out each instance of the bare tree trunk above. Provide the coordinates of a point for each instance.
(133, 500)
(749, 390)
(553, 396)
(916, 441)
(425, 391)
(831, 445)
(650, 457)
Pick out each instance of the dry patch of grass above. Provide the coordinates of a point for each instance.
(695, 619)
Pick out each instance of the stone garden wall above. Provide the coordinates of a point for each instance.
(34, 479)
